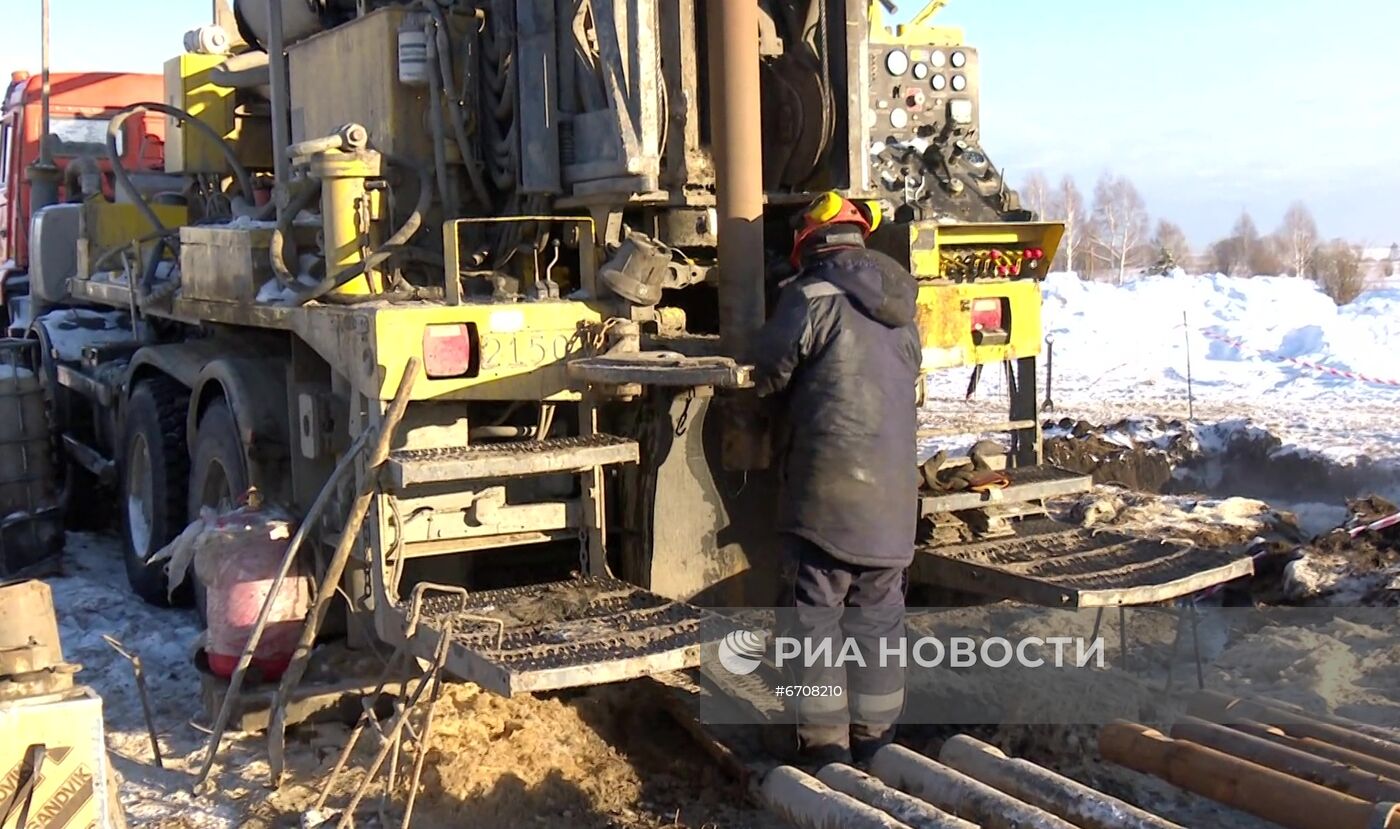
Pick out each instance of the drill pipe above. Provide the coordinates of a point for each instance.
(909, 809)
(806, 803)
(1379, 732)
(956, 793)
(1221, 708)
(738, 150)
(1320, 749)
(1330, 773)
(1249, 787)
(1041, 787)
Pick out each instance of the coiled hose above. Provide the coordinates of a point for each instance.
(401, 236)
(245, 179)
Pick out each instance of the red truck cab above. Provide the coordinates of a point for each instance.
(81, 105)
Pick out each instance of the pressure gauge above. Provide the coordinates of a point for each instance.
(959, 60)
(897, 62)
(899, 119)
(938, 59)
(959, 83)
(920, 71)
(939, 82)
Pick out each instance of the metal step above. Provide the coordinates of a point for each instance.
(661, 368)
(589, 631)
(1030, 483)
(505, 460)
(1055, 565)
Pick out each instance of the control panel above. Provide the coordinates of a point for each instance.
(919, 94)
(925, 155)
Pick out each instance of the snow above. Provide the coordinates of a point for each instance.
(1122, 351)
(72, 328)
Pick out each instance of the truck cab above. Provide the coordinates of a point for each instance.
(81, 105)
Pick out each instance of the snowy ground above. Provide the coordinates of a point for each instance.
(1123, 351)
(1126, 349)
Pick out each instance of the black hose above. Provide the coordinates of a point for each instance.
(245, 180)
(435, 121)
(384, 251)
(449, 83)
(283, 238)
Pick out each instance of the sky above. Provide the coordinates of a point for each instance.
(1209, 106)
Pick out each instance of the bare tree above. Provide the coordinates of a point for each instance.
(1119, 225)
(1246, 236)
(1067, 206)
(1227, 256)
(1035, 194)
(1297, 237)
(1337, 269)
(1169, 245)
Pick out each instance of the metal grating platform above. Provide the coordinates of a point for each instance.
(565, 634)
(1050, 564)
(1030, 483)
(500, 460)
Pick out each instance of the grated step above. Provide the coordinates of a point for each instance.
(1031, 483)
(407, 467)
(1055, 565)
(569, 634)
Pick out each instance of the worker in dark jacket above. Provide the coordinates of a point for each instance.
(841, 352)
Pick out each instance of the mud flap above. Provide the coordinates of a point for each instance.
(719, 548)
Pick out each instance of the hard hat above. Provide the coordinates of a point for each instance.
(832, 208)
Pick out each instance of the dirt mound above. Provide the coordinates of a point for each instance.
(602, 758)
(1112, 454)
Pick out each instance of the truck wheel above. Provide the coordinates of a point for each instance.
(218, 473)
(155, 470)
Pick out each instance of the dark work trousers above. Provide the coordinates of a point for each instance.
(857, 610)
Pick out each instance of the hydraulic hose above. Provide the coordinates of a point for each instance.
(282, 236)
(384, 251)
(435, 121)
(449, 84)
(246, 71)
(245, 180)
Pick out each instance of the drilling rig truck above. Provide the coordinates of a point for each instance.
(566, 219)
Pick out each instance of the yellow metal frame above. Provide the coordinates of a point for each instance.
(919, 31)
(452, 249)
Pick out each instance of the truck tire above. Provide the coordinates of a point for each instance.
(155, 471)
(218, 472)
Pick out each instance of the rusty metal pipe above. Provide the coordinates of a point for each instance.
(1056, 794)
(1379, 732)
(1249, 787)
(1320, 770)
(905, 808)
(956, 793)
(1221, 708)
(1346, 756)
(804, 802)
(737, 140)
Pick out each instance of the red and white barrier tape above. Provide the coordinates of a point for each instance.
(1376, 526)
(1240, 345)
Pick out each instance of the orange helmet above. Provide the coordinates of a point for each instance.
(831, 208)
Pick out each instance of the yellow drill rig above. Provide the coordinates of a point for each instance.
(564, 217)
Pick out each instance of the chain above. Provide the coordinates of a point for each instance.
(683, 422)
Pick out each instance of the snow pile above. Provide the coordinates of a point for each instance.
(1126, 349)
(1146, 325)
